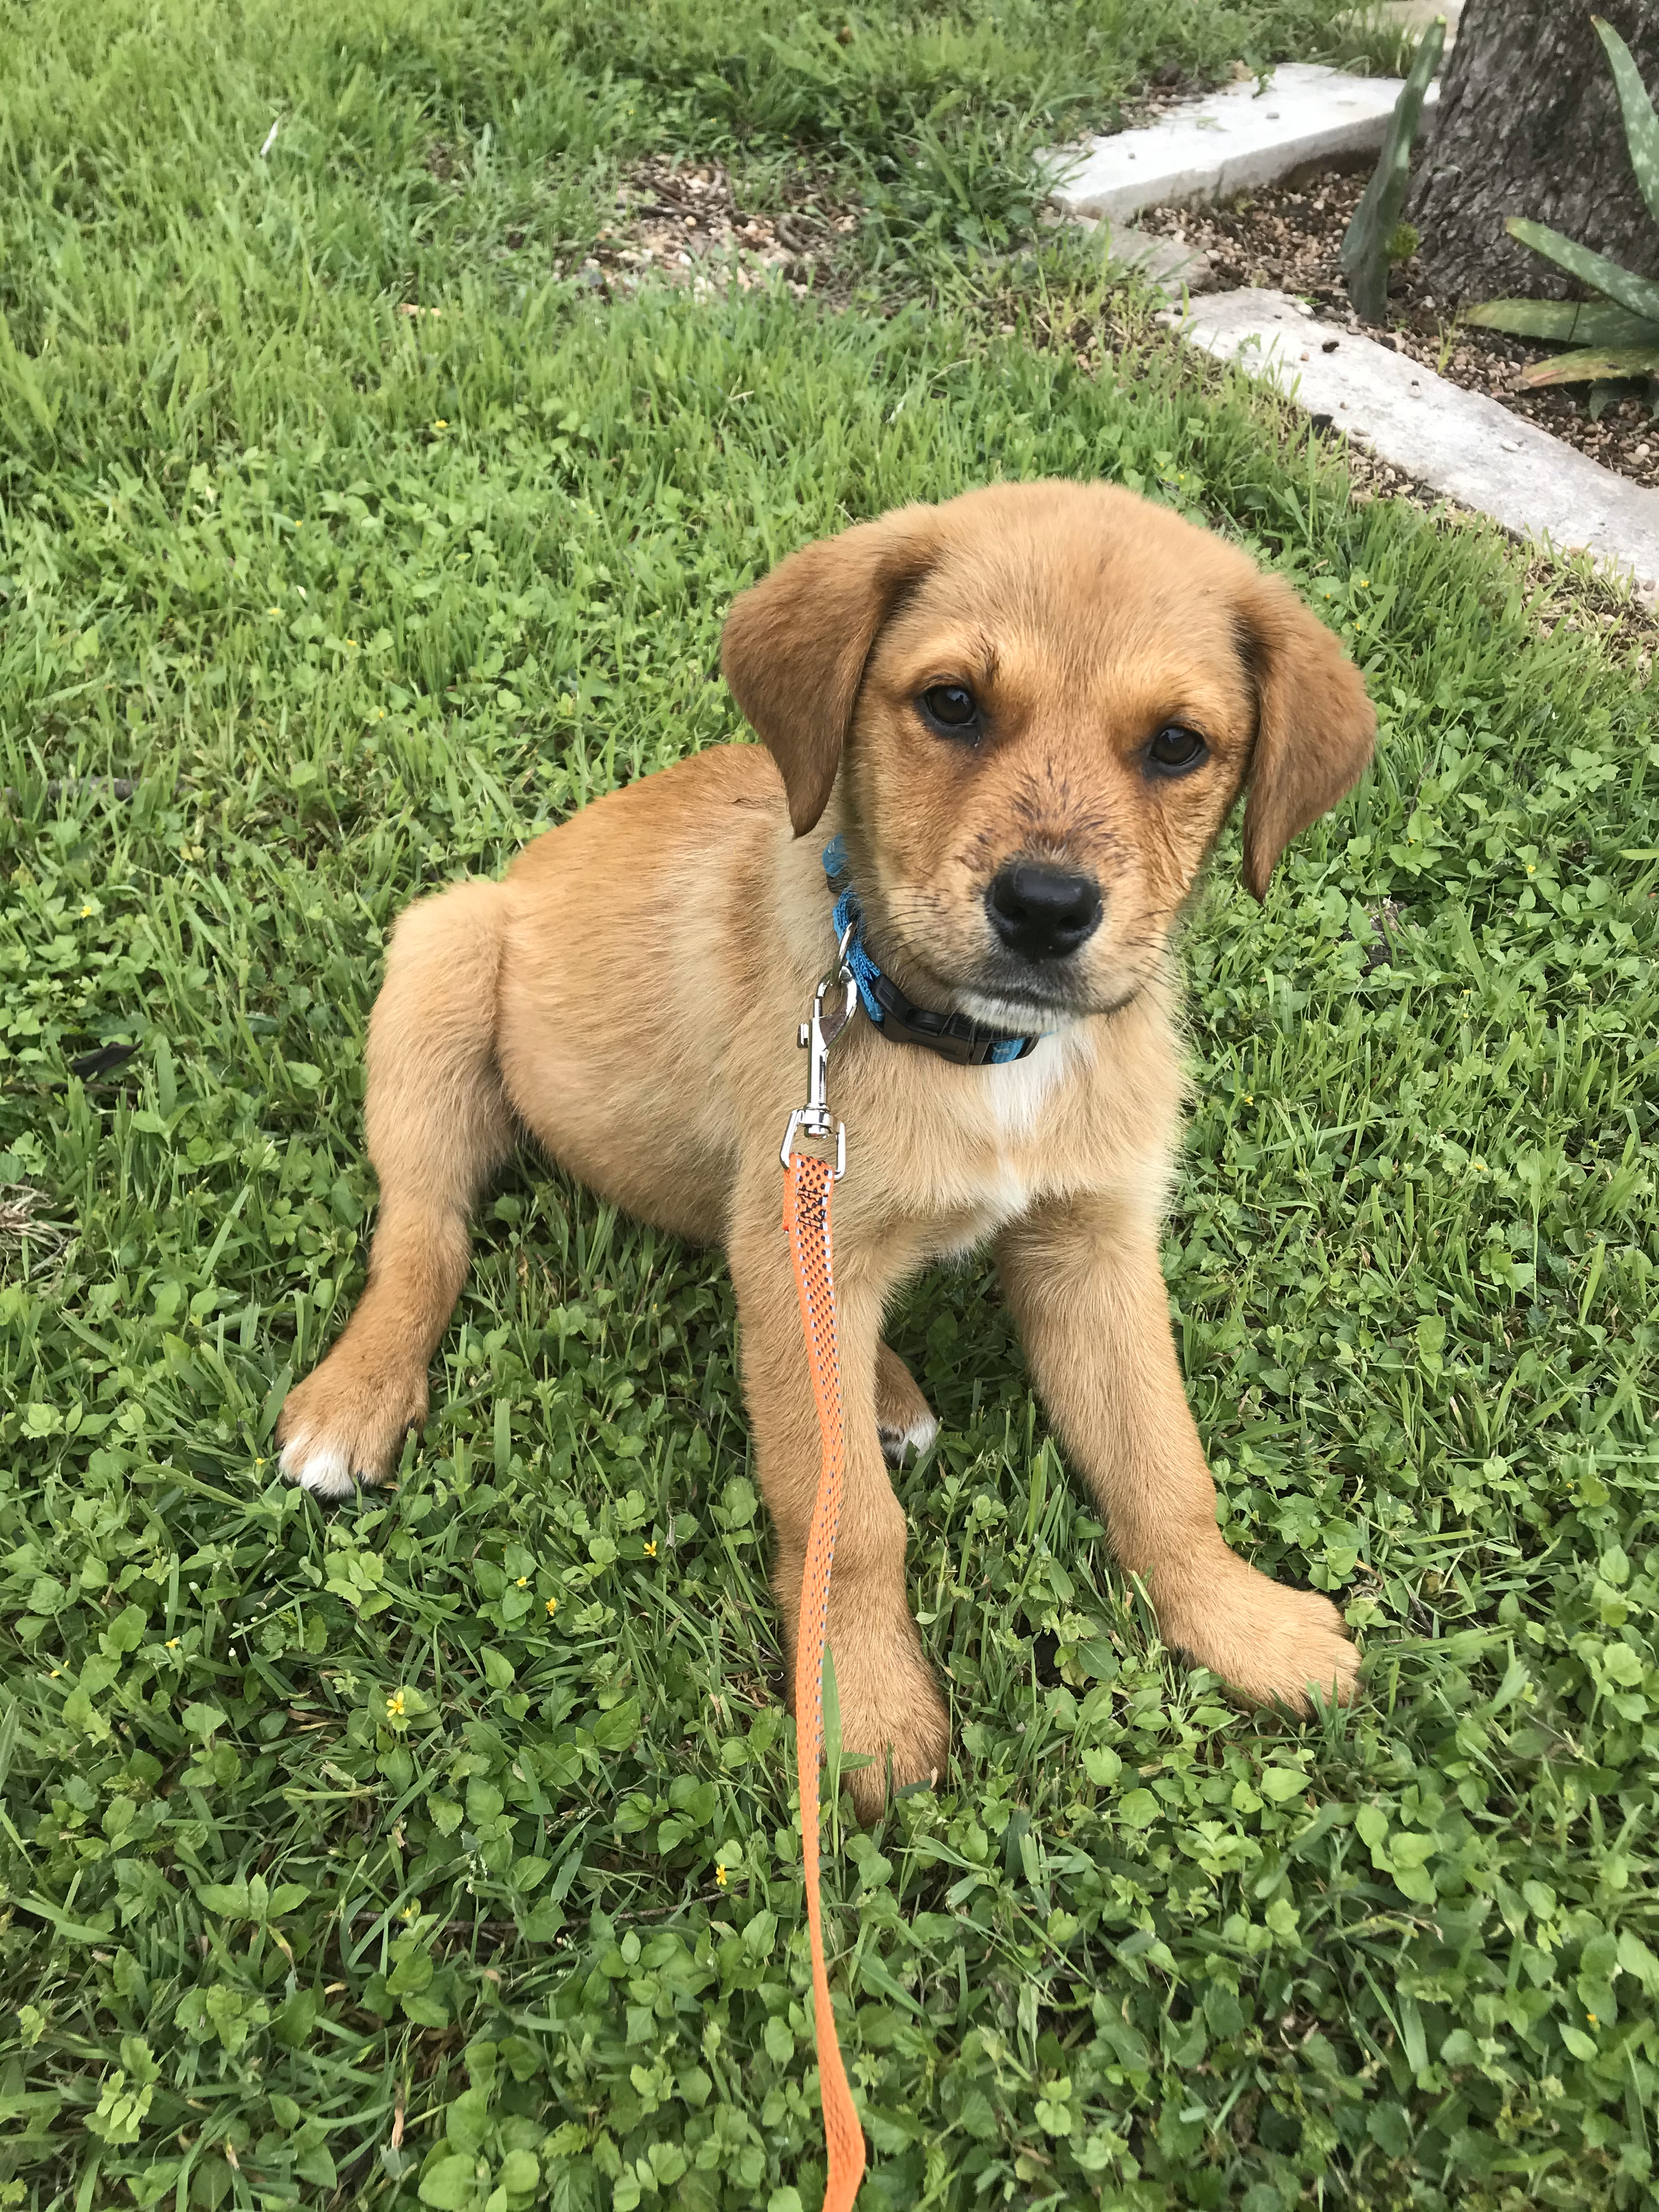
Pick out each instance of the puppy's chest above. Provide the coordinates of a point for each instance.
(973, 1197)
(1010, 1137)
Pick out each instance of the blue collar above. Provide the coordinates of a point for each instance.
(953, 1036)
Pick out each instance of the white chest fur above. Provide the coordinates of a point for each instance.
(1006, 1127)
(1016, 1095)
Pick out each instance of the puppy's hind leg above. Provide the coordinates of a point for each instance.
(439, 1126)
(905, 1421)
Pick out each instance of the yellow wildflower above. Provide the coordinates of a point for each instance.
(394, 1706)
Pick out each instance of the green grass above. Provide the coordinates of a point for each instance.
(338, 1867)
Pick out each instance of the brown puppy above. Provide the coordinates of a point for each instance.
(1028, 713)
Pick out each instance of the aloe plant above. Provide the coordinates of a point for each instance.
(1620, 331)
(1368, 244)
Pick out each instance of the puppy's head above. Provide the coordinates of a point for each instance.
(1041, 701)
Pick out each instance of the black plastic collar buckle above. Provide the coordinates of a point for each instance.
(952, 1036)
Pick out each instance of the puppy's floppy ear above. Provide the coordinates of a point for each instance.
(795, 644)
(1315, 725)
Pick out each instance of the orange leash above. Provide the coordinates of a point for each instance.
(806, 1187)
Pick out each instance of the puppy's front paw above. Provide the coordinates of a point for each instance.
(891, 1708)
(321, 1468)
(339, 1429)
(1273, 1646)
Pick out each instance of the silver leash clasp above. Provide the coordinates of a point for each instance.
(815, 1035)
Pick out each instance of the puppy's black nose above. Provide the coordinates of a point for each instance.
(1043, 913)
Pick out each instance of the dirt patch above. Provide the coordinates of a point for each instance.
(1288, 237)
(27, 1236)
(682, 223)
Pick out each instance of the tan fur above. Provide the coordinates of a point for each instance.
(630, 994)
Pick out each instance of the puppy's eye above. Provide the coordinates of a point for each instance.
(950, 707)
(1174, 750)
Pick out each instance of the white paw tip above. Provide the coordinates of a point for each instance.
(323, 1470)
(901, 1444)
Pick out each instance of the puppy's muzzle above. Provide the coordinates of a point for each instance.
(1042, 913)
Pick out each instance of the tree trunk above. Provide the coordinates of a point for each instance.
(1529, 125)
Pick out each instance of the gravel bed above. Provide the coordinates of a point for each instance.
(1288, 237)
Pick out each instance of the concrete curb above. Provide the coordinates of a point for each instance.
(1459, 442)
(1234, 141)
(1168, 265)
